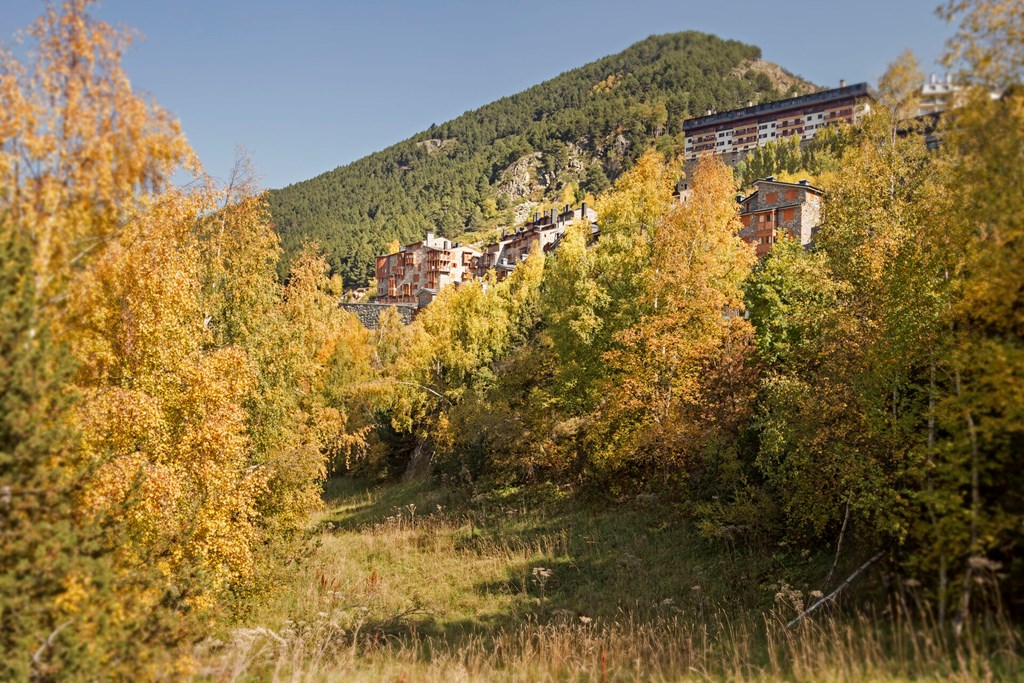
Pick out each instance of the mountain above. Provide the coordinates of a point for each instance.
(553, 142)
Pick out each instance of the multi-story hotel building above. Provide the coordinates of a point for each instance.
(418, 271)
(734, 134)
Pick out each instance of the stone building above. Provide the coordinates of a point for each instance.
(775, 208)
(542, 232)
(418, 271)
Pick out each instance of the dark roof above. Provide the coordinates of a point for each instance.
(779, 182)
(855, 90)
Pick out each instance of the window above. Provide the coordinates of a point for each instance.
(791, 193)
(788, 214)
(771, 197)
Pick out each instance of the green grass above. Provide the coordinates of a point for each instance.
(415, 582)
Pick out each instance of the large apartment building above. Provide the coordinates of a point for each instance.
(775, 208)
(734, 134)
(542, 232)
(418, 271)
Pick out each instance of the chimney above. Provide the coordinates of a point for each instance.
(707, 113)
(842, 82)
(583, 210)
(770, 179)
(430, 236)
(949, 78)
(554, 213)
(536, 216)
(804, 182)
(750, 103)
(933, 79)
(739, 199)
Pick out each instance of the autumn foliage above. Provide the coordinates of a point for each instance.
(859, 394)
(170, 408)
(173, 422)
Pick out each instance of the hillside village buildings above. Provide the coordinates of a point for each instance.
(417, 272)
(542, 232)
(775, 208)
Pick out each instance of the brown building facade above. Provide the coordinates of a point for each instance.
(776, 208)
(415, 273)
(543, 232)
(418, 271)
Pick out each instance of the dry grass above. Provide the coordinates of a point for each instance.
(410, 591)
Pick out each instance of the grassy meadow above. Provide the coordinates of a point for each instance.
(411, 582)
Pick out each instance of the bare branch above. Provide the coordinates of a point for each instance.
(37, 658)
(411, 384)
(833, 594)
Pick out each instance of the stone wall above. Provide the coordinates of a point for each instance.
(369, 314)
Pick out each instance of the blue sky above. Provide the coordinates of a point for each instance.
(310, 85)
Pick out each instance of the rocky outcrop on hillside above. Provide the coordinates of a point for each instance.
(433, 145)
(780, 79)
(519, 180)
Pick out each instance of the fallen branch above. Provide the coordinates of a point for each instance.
(833, 594)
(37, 658)
(839, 546)
(410, 384)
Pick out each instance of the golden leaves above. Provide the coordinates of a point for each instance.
(989, 43)
(77, 146)
(204, 421)
(691, 285)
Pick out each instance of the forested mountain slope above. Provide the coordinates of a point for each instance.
(567, 136)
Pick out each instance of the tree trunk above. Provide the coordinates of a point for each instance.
(419, 463)
(965, 596)
(943, 563)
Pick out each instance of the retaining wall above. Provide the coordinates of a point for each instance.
(369, 314)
